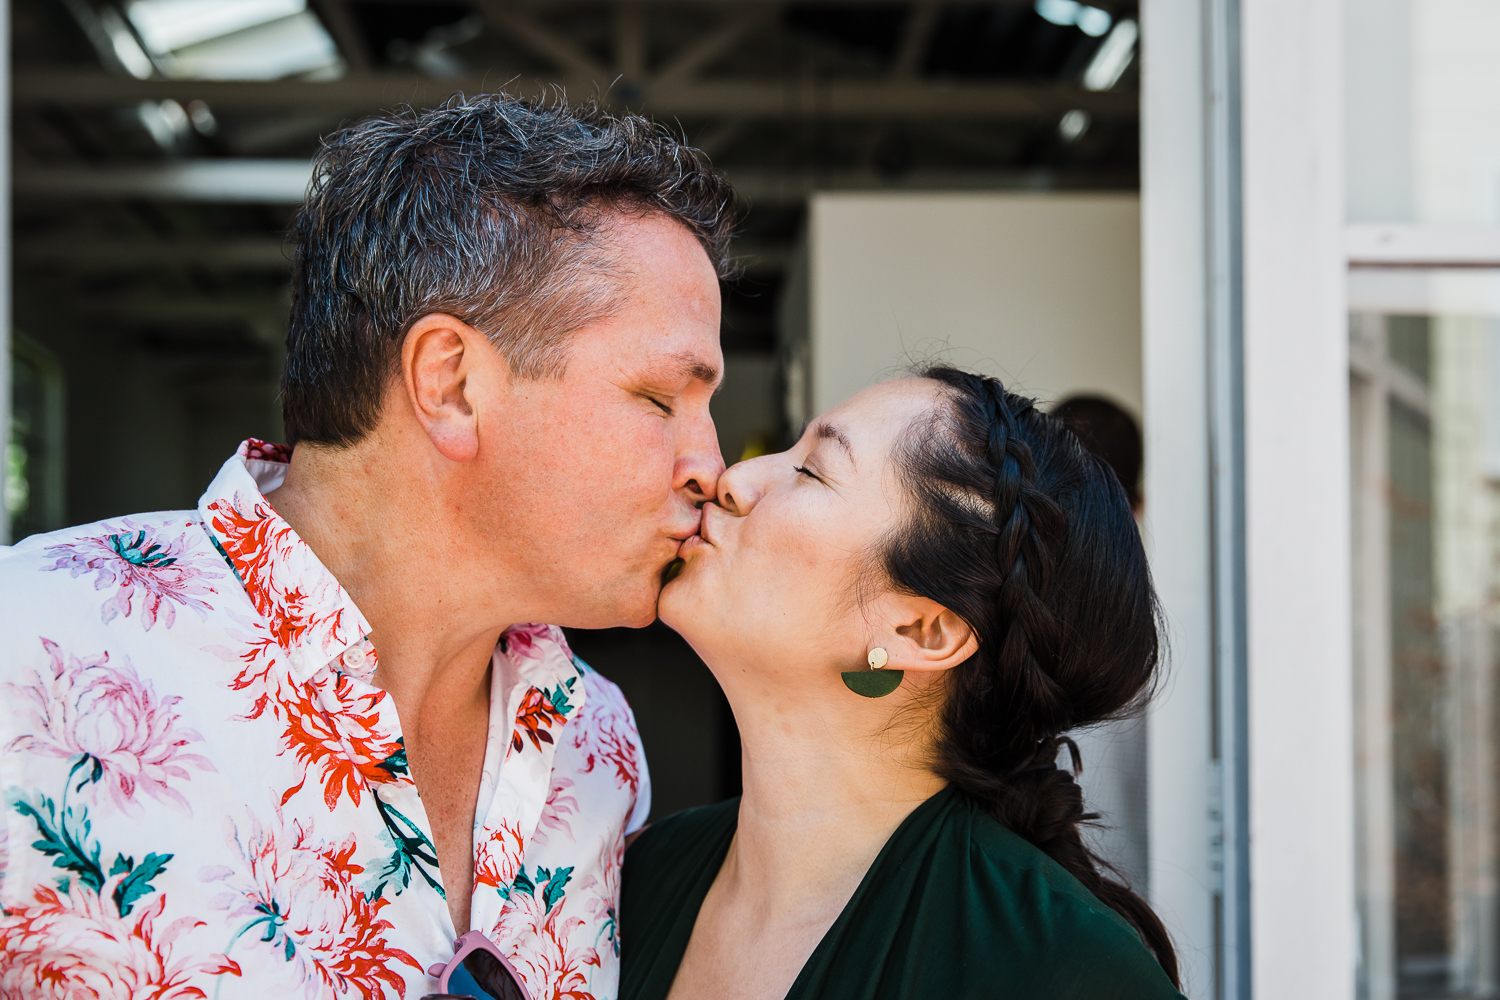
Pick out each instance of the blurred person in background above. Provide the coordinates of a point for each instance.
(907, 611)
(1109, 432)
(301, 740)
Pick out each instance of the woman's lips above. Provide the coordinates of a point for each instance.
(706, 527)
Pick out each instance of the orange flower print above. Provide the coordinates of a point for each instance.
(497, 858)
(256, 545)
(300, 906)
(73, 945)
(536, 716)
(341, 735)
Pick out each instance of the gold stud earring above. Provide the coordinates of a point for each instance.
(877, 682)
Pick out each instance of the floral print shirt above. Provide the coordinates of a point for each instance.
(206, 796)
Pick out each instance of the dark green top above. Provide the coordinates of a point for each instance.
(955, 907)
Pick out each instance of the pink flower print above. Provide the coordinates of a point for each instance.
(559, 807)
(126, 738)
(601, 894)
(266, 451)
(74, 946)
(555, 961)
(136, 560)
(525, 642)
(497, 858)
(609, 738)
(300, 905)
(263, 670)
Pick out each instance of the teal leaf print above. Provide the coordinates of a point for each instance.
(396, 765)
(524, 884)
(228, 561)
(137, 553)
(554, 883)
(65, 840)
(138, 882)
(560, 694)
(410, 851)
(609, 931)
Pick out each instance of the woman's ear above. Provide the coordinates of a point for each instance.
(926, 636)
(436, 361)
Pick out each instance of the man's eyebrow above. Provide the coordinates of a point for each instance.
(831, 432)
(681, 366)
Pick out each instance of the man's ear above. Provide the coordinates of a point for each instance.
(437, 359)
(924, 635)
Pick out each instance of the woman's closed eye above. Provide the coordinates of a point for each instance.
(801, 471)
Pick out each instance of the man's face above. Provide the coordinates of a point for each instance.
(600, 473)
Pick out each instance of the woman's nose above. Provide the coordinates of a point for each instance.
(740, 487)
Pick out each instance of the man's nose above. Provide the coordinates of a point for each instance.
(699, 467)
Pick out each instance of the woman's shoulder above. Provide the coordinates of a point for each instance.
(1087, 947)
(671, 856)
(668, 871)
(688, 831)
(960, 907)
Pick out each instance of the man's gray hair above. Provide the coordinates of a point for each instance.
(491, 209)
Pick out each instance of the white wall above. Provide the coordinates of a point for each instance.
(1040, 290)
(1174, 234)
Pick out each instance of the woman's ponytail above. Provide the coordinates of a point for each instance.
(1030, 540)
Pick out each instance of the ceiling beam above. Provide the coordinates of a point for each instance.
(338, 17)
(186, 310)
(86, 251)
(630, 40)
(285, 180)
(264, 182)
(756, 98)
(916, 38)
(509, 19)
(703, 51)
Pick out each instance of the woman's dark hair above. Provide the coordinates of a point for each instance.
(1029, 538)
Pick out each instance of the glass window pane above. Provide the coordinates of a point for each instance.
(1425, 398)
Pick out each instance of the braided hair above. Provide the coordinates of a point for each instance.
(1028, 538)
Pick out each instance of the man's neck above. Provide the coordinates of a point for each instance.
(383, 534)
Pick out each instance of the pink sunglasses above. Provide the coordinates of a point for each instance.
(477, 965)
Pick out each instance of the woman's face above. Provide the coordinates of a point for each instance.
(772, 576)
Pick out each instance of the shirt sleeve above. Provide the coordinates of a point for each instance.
(642, 810)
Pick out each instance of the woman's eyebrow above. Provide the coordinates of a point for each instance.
(831, 432)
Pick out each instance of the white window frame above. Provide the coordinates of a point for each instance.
(1247, 493)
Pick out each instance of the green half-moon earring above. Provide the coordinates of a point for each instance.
(877, 682)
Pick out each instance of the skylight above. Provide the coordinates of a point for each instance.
(234, 39)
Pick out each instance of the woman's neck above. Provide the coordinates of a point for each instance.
(826, 782)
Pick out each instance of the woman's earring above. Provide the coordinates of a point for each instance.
(877, 682)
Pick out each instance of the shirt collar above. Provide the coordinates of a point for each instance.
(309, 613)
